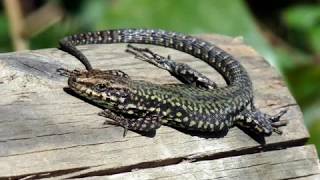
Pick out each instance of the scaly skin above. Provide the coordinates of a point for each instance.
(143, 106)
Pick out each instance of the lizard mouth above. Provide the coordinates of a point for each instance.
(77, 86)
(72, 82)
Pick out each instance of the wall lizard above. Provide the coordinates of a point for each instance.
(198, 104)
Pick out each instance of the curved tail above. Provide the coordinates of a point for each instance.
(231, 70)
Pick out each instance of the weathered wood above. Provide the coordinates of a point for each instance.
(44, 130)
(296, 162)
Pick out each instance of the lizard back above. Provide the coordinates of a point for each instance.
(211, 110)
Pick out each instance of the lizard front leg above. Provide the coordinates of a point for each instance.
(147, 123)
(181, 71)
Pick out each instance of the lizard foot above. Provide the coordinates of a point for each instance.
(276, 122)
(261, 123)
(67, 72)
(115, 119)
(147, 55)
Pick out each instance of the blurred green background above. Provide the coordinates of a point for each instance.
(285, 32)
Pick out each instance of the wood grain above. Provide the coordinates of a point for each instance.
(297, 162)
(46, 132)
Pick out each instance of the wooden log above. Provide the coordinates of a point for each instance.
(292, 163)
(45, 132)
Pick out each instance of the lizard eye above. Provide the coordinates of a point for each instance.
(100, 87)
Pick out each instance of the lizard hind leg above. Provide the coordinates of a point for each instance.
(261, 123)
(181, 71)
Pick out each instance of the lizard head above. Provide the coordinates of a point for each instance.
(107, 88)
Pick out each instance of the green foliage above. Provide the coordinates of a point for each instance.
(303, 28)
(51, 36)
(303, 23)
(314, 130)
(5, 42)
(229, 17)
(314, 39)
(302, 17)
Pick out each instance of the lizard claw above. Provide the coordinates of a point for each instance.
(276, 118)
(276, 130)
(125, 130)
(147, 55)
(115, 120)
(277, 123)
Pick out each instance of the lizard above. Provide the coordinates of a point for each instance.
(197, 105)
